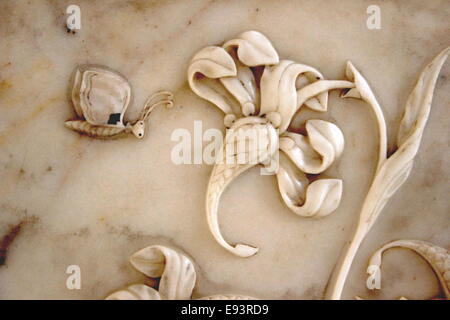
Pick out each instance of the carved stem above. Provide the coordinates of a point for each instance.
(391, 173)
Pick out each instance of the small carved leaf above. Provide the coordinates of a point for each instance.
(316, 152)
(176, 271)
(135, 292)
(253, 49)
(213, 63)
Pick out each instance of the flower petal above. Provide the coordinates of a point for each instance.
(253, 49)
(243, 88)
(316, 152)
(213, 63)
(318, 199)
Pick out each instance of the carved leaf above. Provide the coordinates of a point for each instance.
(437, 257)
(418, 104)
(253, 49)
(316, 152)
(135, 292)
(396, 169)
(213, 63)
(176, 271)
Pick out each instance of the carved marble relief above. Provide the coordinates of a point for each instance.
(259, 92)
(177, 274)
(392, 171)
(341, 173)
(438, 258)
(101, 96)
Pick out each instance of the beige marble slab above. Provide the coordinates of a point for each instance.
(73, 200)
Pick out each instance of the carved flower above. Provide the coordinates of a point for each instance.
(257, 92)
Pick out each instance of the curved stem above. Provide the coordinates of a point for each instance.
(362, 91)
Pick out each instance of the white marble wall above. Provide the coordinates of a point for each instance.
(74, 200)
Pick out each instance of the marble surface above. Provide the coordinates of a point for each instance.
(67, 199)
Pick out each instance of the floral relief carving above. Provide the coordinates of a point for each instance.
(255, 89)
(392, 171)
(177, 277)
(260, 94)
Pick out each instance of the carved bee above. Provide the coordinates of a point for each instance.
(100, 97)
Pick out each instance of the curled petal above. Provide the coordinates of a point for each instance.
(270, 82)
(288, 100)
(250, 141)
(316, 152)
(243, 88)
(253, 49)
(213, 63)
(280, 91)
(176, 271)
(135, 292)
(318, 199)
(291, 182)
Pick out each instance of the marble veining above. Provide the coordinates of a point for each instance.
(67, 199)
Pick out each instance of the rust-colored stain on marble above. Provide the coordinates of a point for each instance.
(11, 235)
(7, 240)
(4, 86)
